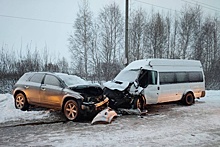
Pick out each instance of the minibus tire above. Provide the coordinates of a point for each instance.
(138, 103)
(188, 99)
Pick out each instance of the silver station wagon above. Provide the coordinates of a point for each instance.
(70, 94)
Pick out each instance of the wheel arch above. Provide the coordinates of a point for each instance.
(65, 99)
(188, 91)
(185, 100)
(19, 91)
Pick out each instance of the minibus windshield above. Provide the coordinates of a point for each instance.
(127, 75)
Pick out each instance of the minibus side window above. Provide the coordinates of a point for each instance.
(153, 77)
(167, 78)
(195, 77)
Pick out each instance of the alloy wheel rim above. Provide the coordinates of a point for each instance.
(20, 102)
(71, 111)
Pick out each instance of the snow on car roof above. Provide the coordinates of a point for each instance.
(71, 80)
(151, 63)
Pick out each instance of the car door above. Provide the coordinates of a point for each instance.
(32, 88)
(51, 91)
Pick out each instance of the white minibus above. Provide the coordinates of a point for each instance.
(152, 81)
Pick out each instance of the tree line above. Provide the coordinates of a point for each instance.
(97, 44)
(14, 63)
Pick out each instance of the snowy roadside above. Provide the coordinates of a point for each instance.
(165, 125)
(10, 115)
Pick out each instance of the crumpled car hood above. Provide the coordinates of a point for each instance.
(90, 90)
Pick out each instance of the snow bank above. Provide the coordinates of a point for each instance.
(196, 125)
(212, 96)
(10, 113)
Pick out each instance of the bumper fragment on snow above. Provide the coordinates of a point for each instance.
(105, 116)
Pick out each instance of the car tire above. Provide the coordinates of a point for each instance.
(21, 102)
(188, 99)
(71, 110)
(138, 103)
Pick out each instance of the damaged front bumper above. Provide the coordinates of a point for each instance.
(94, 106)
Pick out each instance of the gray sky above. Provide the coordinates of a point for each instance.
(15, 32)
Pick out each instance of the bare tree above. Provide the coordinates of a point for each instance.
(188, 24)
(174, 39)
(63, 65)
(79, 43)
(168, 36)
(136, 34)
(95, 54)
(111, 34)
(157, 35)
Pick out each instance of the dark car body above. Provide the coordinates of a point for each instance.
(72, 95)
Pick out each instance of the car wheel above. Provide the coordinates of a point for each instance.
(138, 103)
(21, 102)
(71, 110)
(188, 99)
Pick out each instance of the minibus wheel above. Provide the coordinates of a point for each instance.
(188, 99)
(138, 103)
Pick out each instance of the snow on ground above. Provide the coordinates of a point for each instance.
(10, 113)
(165, 125)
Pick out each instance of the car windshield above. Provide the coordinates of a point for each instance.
(72, 80)
(127, 75)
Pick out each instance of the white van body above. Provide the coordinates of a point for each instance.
(164, 80)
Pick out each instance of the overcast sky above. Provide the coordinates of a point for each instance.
(15, 31)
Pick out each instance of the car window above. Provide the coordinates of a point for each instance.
(51, 80)
(25, 77)
(37, 78)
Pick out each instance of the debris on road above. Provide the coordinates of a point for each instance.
(105, 116)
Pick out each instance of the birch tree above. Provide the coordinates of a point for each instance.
(136, 34)
(157, 35)
(80, 42)
(111, 35)
(188, 24)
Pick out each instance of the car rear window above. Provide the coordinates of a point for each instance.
(37, 78)
(25, 77)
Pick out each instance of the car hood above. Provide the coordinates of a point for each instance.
(116, 85)
(89, 90)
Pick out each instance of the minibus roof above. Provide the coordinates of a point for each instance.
(165, 64)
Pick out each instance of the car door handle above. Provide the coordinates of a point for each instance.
(26, 87)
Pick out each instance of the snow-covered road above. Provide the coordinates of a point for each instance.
(165, 125)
